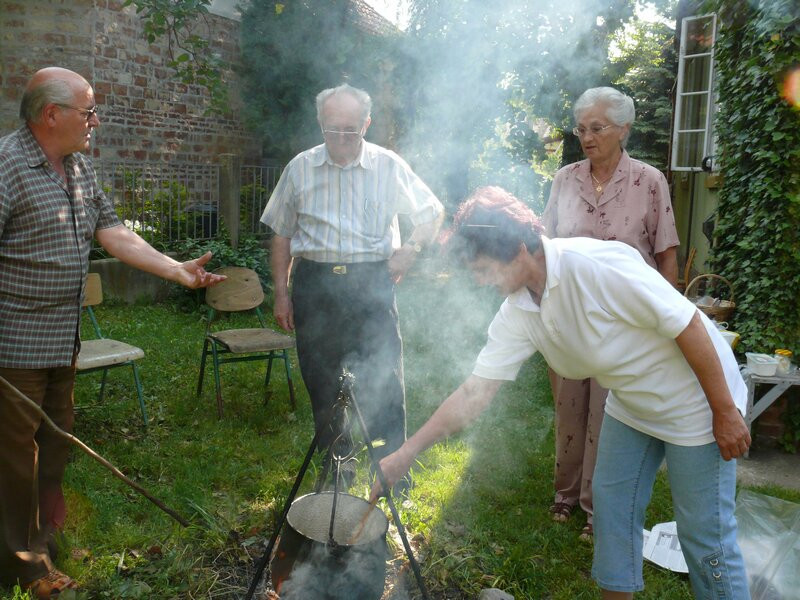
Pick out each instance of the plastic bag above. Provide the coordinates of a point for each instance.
(769, 536)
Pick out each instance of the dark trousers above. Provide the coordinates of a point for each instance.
(350, 321)
(32, 463)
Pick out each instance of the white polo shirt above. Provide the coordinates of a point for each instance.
(606, 314)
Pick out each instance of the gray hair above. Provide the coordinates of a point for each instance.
(620, 109)
(54, 91)
(360, 95)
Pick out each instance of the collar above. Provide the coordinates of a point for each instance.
(522, 298)
(320, 156)
(34, 155)
(622, 169)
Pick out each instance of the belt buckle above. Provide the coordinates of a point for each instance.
(340, 269)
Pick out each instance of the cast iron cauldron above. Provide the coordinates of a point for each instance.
(305, 565)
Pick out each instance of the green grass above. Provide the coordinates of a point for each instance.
(477, 513)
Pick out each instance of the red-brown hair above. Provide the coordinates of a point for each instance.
(494, 223)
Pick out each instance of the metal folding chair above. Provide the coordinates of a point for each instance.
(103, 354)
(242, 292)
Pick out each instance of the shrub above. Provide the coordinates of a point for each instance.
(249, 253)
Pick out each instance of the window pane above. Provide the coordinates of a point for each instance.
(693, 112)
(699, 35)
(695, 74)
(690, 149)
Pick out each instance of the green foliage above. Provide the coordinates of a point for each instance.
(19, 594)
(293, 50)
(645, 69)
(790, 440)
(253, 198)
(190, 54)
(250, 253)
(757, 238)
(515, 159)
(487, 83)
(156, 210)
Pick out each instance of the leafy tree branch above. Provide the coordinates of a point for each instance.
(189, 52)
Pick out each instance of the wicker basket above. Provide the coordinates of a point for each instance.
(721, 309)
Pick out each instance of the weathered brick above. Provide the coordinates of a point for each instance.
(140, 97)
(55, 38)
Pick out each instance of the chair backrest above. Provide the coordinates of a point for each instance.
(240, 291)
(94, 290)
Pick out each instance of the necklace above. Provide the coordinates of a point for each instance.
(599, 184)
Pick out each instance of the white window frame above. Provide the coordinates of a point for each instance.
(678, 135)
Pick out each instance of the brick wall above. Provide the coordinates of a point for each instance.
(144, 113)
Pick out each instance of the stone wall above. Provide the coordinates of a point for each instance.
(145, 114)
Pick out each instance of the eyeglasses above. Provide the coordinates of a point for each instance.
(594, 129)
(348, 135)
(87, 113)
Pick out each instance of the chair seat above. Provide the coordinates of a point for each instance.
(252, 340)
(102, 352)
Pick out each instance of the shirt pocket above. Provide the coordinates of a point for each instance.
(373, 221)
(89, 214)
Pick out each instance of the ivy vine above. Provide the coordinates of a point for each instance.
(757, 243)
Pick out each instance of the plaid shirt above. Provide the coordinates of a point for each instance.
(46, 231)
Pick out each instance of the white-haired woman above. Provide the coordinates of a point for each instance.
(607, 196)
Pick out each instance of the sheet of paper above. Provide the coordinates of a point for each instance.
(661, 546)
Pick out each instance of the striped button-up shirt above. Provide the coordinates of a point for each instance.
(46, 230)
(347, 214)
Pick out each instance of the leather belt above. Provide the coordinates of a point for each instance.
(361, 268)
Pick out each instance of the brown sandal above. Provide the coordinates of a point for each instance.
(561, 511)
(587, 533)
(51, 585)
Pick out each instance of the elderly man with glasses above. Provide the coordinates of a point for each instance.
(335, 214)
(51, 207)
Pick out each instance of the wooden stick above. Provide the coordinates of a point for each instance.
(363, 522)
(73, 440)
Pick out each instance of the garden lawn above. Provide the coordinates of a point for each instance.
(477, 513)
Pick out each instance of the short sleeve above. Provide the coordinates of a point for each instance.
(507, 347)
(414, 197)
(280, 214)
(630, 290)
(107, 216)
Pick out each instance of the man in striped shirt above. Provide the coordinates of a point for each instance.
(51, 207)
(335, 214)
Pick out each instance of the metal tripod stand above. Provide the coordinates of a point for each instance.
(339, 414)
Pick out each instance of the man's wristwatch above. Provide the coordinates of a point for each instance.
(416, 246)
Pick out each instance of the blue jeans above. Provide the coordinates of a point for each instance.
(703, 495)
